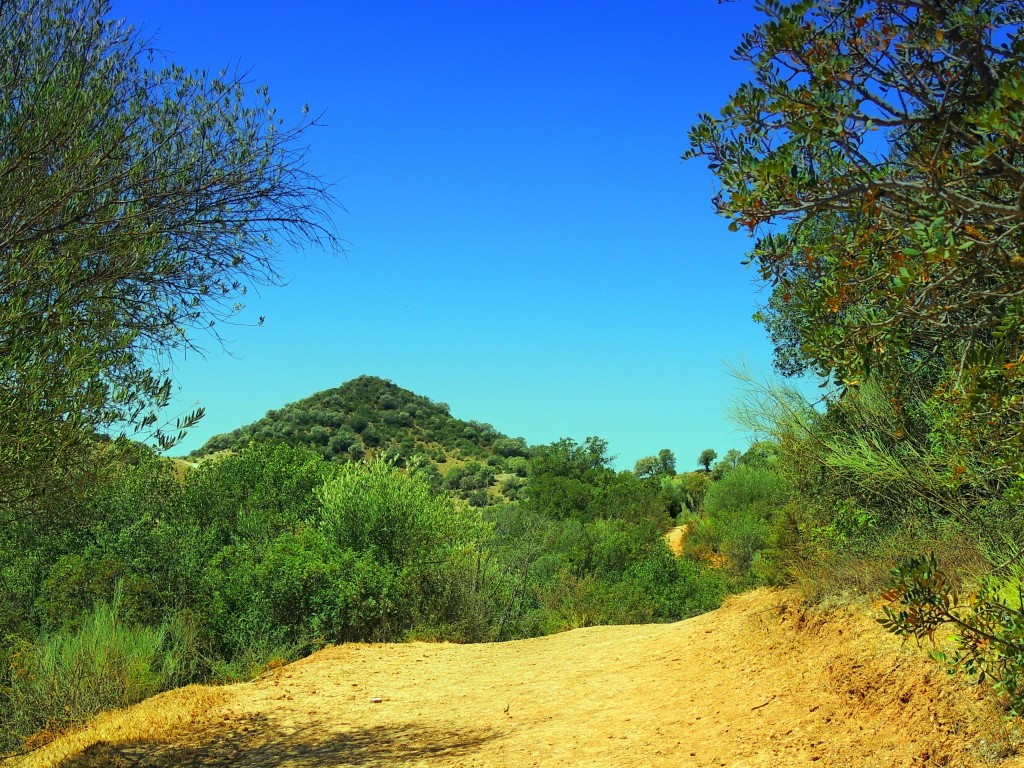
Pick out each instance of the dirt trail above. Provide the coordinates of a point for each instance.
(675, 538)
(761, 682)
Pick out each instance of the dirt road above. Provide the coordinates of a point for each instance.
(675, 539)
(761, 682)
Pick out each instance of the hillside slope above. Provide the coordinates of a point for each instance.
(369, 416)
(760, 682)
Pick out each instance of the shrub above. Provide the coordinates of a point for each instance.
(257, 493)
(407, 531)
(741, 514)
(988, 624)
(511, 447)
(63, 678)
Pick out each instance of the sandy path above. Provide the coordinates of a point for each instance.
(758, 683)
(675, 538)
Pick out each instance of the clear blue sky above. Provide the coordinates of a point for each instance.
(523, 241)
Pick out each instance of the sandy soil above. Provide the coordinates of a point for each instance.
(675, 539)
(761, 682)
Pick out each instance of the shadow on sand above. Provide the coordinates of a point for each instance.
(262, 744)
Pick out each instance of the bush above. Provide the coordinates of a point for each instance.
(511, 447)
(257, 493)
(63, 678)
(414, 537)
(988, 624)
(741, 516)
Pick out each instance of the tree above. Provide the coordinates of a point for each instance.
(729, 462)
(511, 446)
(707, 456)
(667, 462)
(664, 464)
(646, 467)
(565, 477)
(137, 204)
(878, 157)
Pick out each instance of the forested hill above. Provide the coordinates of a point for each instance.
(369, 416)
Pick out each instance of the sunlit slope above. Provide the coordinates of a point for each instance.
(760, 682)
(367, 414)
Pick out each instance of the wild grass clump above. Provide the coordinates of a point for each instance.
(63, 678)
(872, 484)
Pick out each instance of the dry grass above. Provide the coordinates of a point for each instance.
(160, 718)
(827, 573)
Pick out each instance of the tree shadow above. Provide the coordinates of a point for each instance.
(261, 743)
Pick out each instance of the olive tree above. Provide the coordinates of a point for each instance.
(138, 201)
(707, 456)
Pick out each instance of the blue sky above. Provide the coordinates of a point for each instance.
(523, 241)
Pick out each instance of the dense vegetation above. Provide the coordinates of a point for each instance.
(122, 574)
(137, 204)
(166, 575)
(370, 417)
(877, 158)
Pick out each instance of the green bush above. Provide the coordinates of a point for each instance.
(270, 552)
(63, 678)
(256, 493)
(741, 515)
(988, 624)
(415, 537)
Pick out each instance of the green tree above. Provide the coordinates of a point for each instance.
(511, 446)
(729, 462)
(646, 467)
(138, 203)
(667, 461)
(688, 488)
(878, 156)
(664, 464)
(565, 477)
(707, 456)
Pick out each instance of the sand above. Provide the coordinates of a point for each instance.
(761, 682)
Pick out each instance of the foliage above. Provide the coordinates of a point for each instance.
(64, 678)
(270, 551)
(373, 508)
(559, 573)
(138, 203)
(664, 464)
(989, 628)
(707, 456)
(728, 462)
(569, 480)
(878, 157)
(865, 462)
(739, 519)
(509, 447)
(370, 417)
(565, 477)
(685, 492)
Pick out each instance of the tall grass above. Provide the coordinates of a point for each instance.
(864, 449)
(64, 678)
(873, 485)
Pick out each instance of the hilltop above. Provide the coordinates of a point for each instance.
(369, 416)
(763, 681)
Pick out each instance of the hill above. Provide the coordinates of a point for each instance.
(762, 681)
(370, 416)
